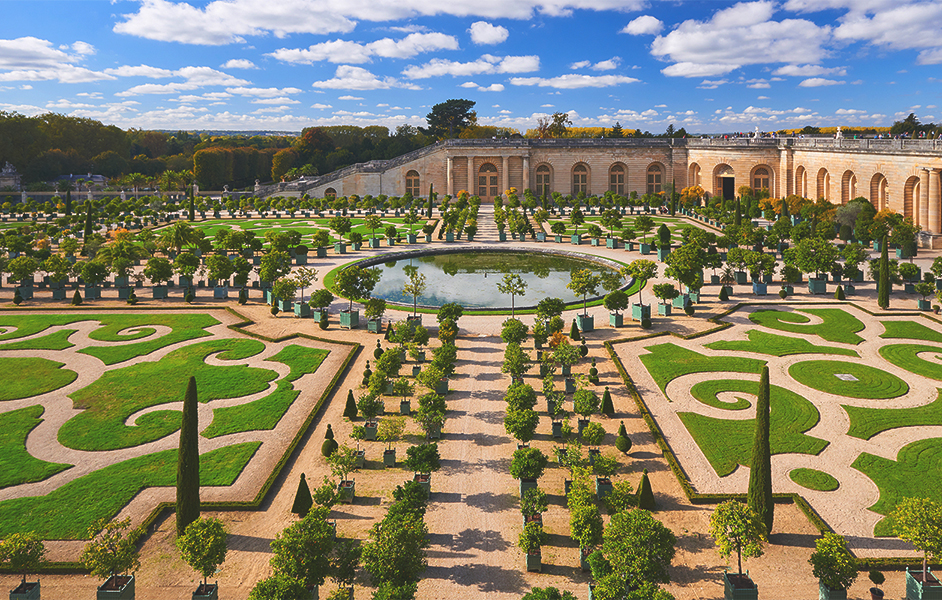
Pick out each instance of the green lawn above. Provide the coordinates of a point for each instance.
(30, 376)
(872, 383)
(910, 330)
(67, 513)
(301, 359)
(666, 362)
(761, 342)
(906, 356)
(707, 392)
(16, 464)
(837, 325)
(912, 475)
(866, 422)
(53, 341)
(728, 443)
(119, 393)
(814, 480)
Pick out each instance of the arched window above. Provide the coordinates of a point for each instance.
(760, 179)
(654, 179)
(330, 194)
(412, 184)
(616, 180)
(487, 181)
(543, 181)
(580, 179)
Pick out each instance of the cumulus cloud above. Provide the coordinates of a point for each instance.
(358, 78)
(485, 34)
(573, 81)
(580, 65)
(140, 71)
(278, 100)
(899, 26)
(195, 77)
(34, 59)
(644, 25)
(321, 106)
(239, 63)
(347, 52)
(819, 82)
(607, 65)
(494, 87)
(272, 92)
(809, 70)
(743, 34)
(438, 67)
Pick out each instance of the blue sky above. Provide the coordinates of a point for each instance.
(286, 64)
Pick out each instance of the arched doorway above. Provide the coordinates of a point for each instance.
(655, 178)
(912, 198)
(848, 186)
(616, 179)
(488, 188)
(693, 175)
(580, 179)
(823, 185)
(724, 182)
(543, 178)
(801, 182)
(413, 187)
(330, 194)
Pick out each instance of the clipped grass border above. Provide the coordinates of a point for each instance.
(74, 567)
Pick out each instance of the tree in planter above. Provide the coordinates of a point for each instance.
(340, 225)
(621, 498)
(321, 299)
(280, 587)
(584, 282)
(186, 264)
(284, 289)
(528, 463)
(370, 405)
(241, 269)
(565, 354)
(404, 388)
(275, 265)
(390, 430)
(616, 301)
(57, 267)
(585, 402)
(759, 496)
(342, 462)
(395, 552)
(356, 283)
(593, 434)
(925, 289)
(415, 287)
(343, 566)
(640, 270)
(112, 549)
(576, 218)
(22, 268)
(737, 528)
(23, 552)
(304, 277)
(665, 292)
(521, 423)
(423, 458)
(93, 272)
(533, 502)
(585, 526)
(531, 538)
(431, 413)
(812, 255)
(372, 222)
(220, 268)
(611, 220)
(644, 224)
(594, 231)
(638, 550)
(513, 331)
(548, 593)
(832, 562)
(513, 285)
(516, 361)
(919, 522)
(558, 228)
(302, 550)
(203, 546)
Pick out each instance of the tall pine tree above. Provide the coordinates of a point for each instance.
(88, 220)
(738, 221)
(431, 200)
(883, 291)
(68, 202)
(188, 462)
(759, 497)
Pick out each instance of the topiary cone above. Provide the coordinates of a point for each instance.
(350, 410)
(388, 335)
(608, 408)
(724, 295)
(303, 501)
(839, 293)
(623, 443)
(622, 432)
(77, 298)
(645, 493)
(243, 296)
(329, 435)
(329, 447)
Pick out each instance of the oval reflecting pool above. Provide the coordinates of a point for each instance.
(471, 278)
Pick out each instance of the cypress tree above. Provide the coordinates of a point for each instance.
(645, 493)
(68, 202)
(608, 408)
(88, 221)
(883, 291)
(574, 332)
(673, 197)
(192, 206)
(188, 462)
(303, 501)
(350, 410)
(428, 213)
(785, 213)
(738, 212)
(759, 496)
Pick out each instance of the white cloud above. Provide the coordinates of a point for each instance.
(546, 106)
(580, 65)
(33, 59)
(349, 98)
(196, 77)
(850, 111)
(494, 87)
(347, 52)
(506, 112)
(228, 21)
(488, 63)
(358, 78)
(572, 81)
(264, 92)
(899, 26)
(819, 82)
(644, 25)
(743, 34)
(140, 71)
(809, 70)
(607, 65)
(83, 48)
(238, 63)
(279, 100)
(321, 106)
(485, 34)
(762, 98)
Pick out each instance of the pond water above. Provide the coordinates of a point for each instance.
(471, 278)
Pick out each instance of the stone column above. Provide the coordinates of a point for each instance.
(934, 201)
(449, 179)
(526, 173)
(924, 199)
(504, 175)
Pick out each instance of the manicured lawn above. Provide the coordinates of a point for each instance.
(666, 362)
(762, 342)
(906, 356)
(119, 393)
(301, 359)
(914, 474)
(866, 422)
(871, 383)
(67, 513)
(910, 330)
(58, 340)
(707, 392)
(27, 377)
(814, 480)
(837, 325)
(16, 464)
(728, 443)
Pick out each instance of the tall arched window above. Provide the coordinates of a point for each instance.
(543, 181)
(760, 179)
(616, 180)
(412, 184)
(487, 181)
(580, 179)
(654, 179)
(330, 194)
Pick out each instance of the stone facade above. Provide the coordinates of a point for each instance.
(902, 175)
(9, 178)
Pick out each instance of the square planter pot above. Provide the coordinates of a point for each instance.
(117, 587)
(359, 458)
(570, 385)
(611, 243)
(340, 248)
(662, 253)
(390, 242)
(817, 286)
(540, 237)
(581, 424)
(917, 589)
(664, 309)
(221, 292)
(416, 369)
(389, 458)
(759, 289)
(741, 278)
(159, 292)
(441, 388)
(411, 238)
(585, 323)
(630, 246)
(285, 306)
(424, 480)
(346, 491)
(58, 294)
(826, 593)
(302, 309)
(369, 430)
(603, 487)
(27, 590)
(739, 587)
(909, 288)
(639, 312)
(566, 370)
(534, 563)
(924, 304)
(373, 325)
(209, 591)
(350, 319)
(434, 432)
(501, 236)
(616, 319)
(559, 239)
(575, 239)
(527, 484)
(301, 259)
(449, 236)
(92, 292)
(681, 301)
(357, 246)
(645, 248)
(124, 292)
(557, 429)
(594, 242)
(405, 407)
(374, 242)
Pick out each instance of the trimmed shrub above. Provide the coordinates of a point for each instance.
(645, 323)
(322, 323)
(243, 296)
(608, 408)
(302, 499)
(350, 410)
(77, 298)
(623, 443)
(839, 293)
(274, 310)
(329, 435)
(17, 298)
(329, 447)
(574, 332)
(645, 493)
(724, 296)
(622, 432)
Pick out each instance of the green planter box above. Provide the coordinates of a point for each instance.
(741, 278)
(390, 241)
(611, 243)
(210, 591)
(616, 319)
(681, 301)
(389, 458)
(441, 388)
(221, 292)
(570, 385)
(350, 319)
(603, 487)
(369, 430)
(739, 587)
(424, 480)
(817, 286)
(159, 292)
(117, 587)
(594, 242)
(534, 563)
(302, 309)
(340, 248)
(916, 589)
(557, 429)
(575, 239)
(559, 239)
(640, 312)
(527, 484)
(502, 236)
(405, 407)
(449, 236)
(662, 253)
(28, 590)
(924, 304)
(826, 593)
(585, 323)
(760, 289)
(540, 236)
(435, 432)
(360, 458)
(92, 292)
(645, 248)
(664, 309)
(373, 325)
(346, 491)
(411, 238)
(374, 242)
